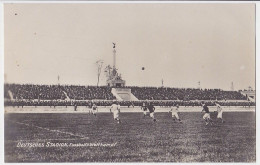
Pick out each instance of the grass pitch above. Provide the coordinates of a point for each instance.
(134, 140)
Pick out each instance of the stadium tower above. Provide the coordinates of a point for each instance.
(199, 85)
(232, 86)
(115, 81)
(113, 78)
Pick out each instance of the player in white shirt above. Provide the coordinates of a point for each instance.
(175, 110)
(115, 109)
(220, 112)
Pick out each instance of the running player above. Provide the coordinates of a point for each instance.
(175, 110)
(151, 110)
(145, 109)
(220, 111)
(115, 108)
(206, 116)
(94, 109)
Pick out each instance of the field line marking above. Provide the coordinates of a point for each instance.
(47, 129)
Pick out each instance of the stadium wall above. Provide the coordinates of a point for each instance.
(103, 109)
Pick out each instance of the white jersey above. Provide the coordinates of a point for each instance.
(94, 109)
(219, 110)
(174, 110)
(115, 107)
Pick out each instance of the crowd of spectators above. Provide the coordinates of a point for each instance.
(57, 92)
(88, 92)
(28, 91)
(153, 93)
(63, 92)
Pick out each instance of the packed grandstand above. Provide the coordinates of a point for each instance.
(66, 95)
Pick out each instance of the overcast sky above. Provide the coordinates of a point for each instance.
(179, 43)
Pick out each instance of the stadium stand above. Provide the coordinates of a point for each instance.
(28, 91)
(6, 94)
(88, 92)
(55, 92)
(57, 95)
(153, 93)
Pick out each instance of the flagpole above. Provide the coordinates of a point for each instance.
(58, 79)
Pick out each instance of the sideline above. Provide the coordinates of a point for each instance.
(84, 109)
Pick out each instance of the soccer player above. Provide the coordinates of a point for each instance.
(145, 109)
(94, 109)
(175, 110)
(220, 111)
(151, 110)
(75, 106)
(90, 107)
(115, 108)
(206, 116)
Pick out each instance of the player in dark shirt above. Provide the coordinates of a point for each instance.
(151, 109)
(90, 107)
(94, 109)
(90, 104)
(206, 116)
(145, 109)
(205, 108)
(75, 106)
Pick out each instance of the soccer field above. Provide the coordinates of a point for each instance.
(81, 137)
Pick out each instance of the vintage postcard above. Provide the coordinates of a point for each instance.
(129, 82)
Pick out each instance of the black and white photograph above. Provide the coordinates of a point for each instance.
(129, 82)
